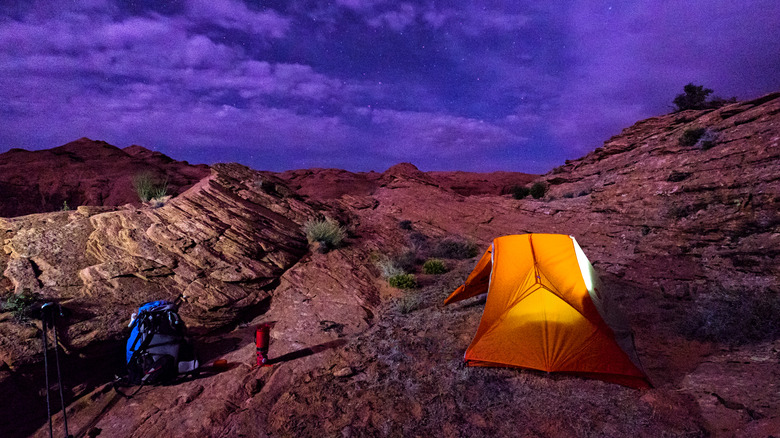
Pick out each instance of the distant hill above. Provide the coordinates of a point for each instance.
(84, 172)
(324, 184)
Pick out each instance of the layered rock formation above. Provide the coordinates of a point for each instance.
(224, 244)
(84, 172)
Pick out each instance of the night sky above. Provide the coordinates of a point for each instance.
(364, 84)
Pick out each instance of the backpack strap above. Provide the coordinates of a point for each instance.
(143, 330)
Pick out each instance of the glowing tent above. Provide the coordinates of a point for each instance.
(546, 310)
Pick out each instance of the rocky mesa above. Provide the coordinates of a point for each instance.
(678, 213)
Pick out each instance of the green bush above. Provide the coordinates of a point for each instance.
(20, 305)
(454, 249)
(520, 192)
(160, 191)
(538, 190)
(148, 187)
(327, 232)
(403, 281)
(434, 266)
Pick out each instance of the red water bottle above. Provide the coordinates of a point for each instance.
(261, 342)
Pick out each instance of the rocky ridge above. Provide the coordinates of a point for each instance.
(84, 172)
(324, 184)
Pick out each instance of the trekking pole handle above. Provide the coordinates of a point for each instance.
(50, 310)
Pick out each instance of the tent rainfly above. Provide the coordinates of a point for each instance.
(547, 310)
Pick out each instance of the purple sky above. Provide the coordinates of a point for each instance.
(364, 84)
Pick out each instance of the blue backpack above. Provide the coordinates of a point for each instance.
(158, 350)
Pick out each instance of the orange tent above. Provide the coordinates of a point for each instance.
(546, 310)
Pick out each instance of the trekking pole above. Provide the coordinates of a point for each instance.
(46, 371)
(49, 312)
(59, 377)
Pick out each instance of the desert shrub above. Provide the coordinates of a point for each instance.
(326, 231)
(65, 206)
(148, 187)
(691, 136)
(735, 317)
(388, 268)
(678, 176)
(405, 225)
(538, 190)
(699, 137)
(520, 192)
(20, 305)
(454, 249)
(160, 191)
(403, 281)
(694, 97)
(410, 302)
(434, 266)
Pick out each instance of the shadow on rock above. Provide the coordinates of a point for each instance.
(308, 351)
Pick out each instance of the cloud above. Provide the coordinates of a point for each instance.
(472, 20)
(359, 83)
(398, 20)
(419, 135)
(478, 21)
(360, 5)
(234, 14)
